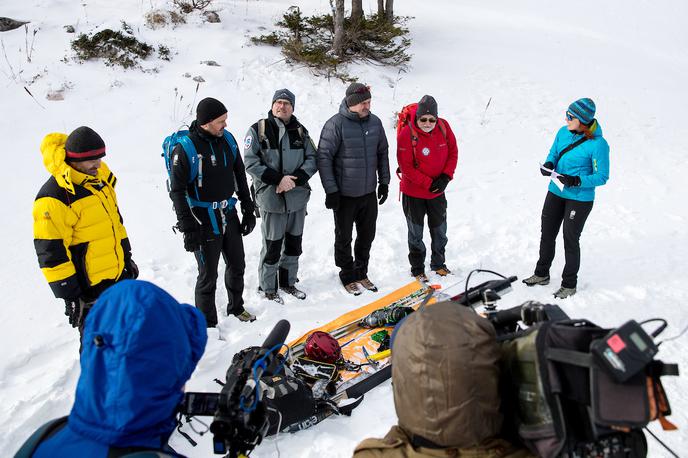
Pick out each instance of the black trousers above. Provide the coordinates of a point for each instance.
(415, 210)
(362, 212)
(573, 213)
(231, 246)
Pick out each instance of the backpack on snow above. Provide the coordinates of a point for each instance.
(406, 117)
(563, 403)
(195, 160)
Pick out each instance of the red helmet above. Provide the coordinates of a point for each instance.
(320, 346)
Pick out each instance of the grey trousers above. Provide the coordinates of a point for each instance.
(279, 257)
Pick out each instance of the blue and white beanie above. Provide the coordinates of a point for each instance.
(583, 109)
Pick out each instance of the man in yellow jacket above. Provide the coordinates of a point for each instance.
(81, 243)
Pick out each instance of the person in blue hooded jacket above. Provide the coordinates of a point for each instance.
(580, 158)
(140, 346)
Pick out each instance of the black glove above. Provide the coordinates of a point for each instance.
(382, 193)
(248, 222)
(187, 225)
(72, 311)
(131, 268)
(193, 240)
(332, 201)
(440, 183)
(546, 165)
(570, 180)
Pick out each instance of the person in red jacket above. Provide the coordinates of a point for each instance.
(427, 155)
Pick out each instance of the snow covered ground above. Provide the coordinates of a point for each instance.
(531, 58)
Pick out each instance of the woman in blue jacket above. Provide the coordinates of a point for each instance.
(580, 159)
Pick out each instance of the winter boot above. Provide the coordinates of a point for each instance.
(271, 296)
(422, 278)
(443, 271)
(352, 288)
(367, 284)
(246, 316)
(536, 280)
(563, 293)
(294, 291)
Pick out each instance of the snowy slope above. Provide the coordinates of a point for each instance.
(531, 58)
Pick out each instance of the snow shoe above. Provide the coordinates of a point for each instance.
(536, 280)
(369, 285)
(352, 288)
(563, 293)
(294, 291)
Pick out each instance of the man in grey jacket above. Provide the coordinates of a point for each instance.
(280, 157)
(352, 160)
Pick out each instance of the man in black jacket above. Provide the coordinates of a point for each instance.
(352, 159)
(205, 208)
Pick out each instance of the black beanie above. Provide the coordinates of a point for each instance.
(84, 144)
(427, 105)
(209, 109)
(357, 93)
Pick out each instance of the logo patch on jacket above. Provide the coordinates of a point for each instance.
(46, 216)
(426, 151)
(248, 141)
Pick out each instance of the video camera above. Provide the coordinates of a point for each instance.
(505, 322)
(240, 420)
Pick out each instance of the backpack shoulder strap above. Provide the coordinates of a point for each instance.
(41, 434)
(443, 128)
(191, 156)
(261, 133)
(414, 143)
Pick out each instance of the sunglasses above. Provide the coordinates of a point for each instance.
(570, 117)
(430, 120)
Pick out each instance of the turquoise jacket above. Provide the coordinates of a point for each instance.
(589, 161)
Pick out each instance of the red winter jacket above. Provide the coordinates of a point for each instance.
(434, 155)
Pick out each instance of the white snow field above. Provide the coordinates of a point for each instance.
(531, 58)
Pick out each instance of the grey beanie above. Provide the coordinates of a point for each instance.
(284, 94)
(357, 93)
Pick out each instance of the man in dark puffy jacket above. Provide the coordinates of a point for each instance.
(352, 161)
(280, 157)
(206, 212)
(140, 348)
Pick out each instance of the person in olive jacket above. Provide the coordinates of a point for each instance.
(352, 161)
(280, 157)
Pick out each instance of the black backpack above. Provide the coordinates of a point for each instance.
(560, 402)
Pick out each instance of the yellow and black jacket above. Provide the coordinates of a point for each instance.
(78, 233)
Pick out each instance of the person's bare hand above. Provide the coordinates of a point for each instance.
(287, 183)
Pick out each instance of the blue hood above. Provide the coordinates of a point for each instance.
(131, 385)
